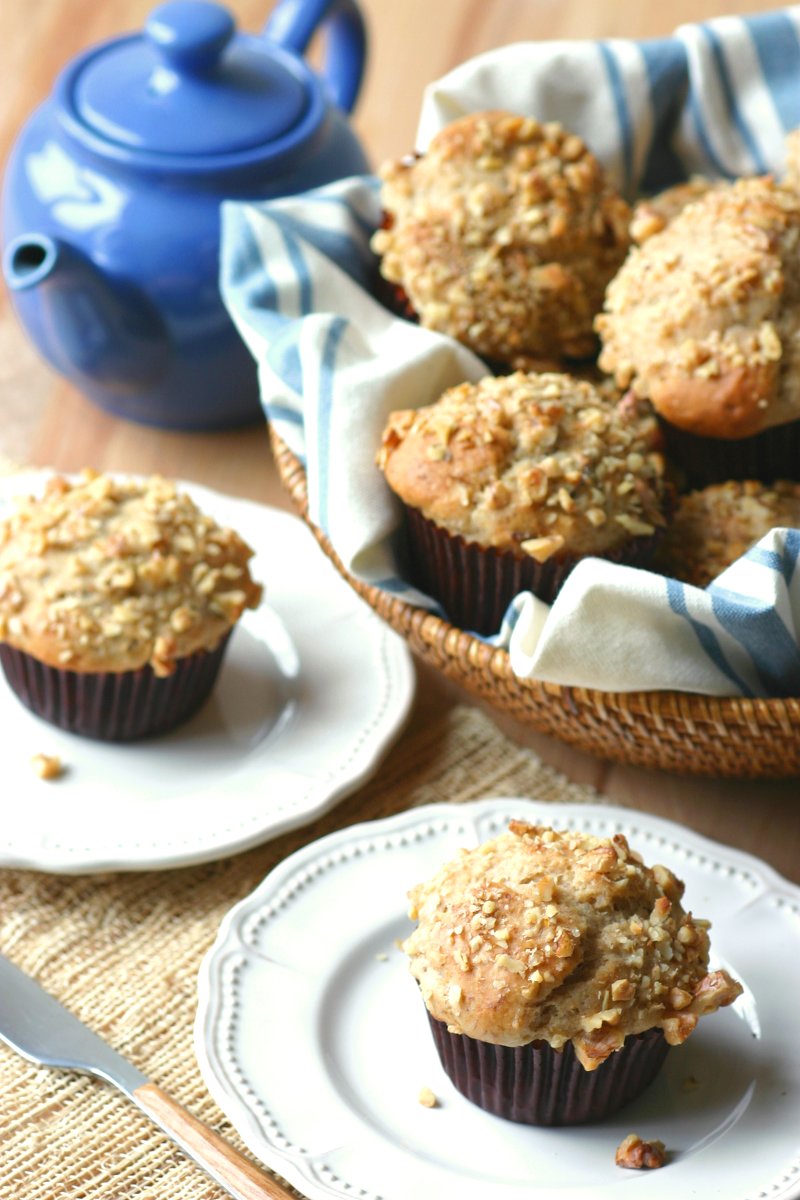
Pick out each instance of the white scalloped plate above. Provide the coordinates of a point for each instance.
(312, 691)
(312, 1038)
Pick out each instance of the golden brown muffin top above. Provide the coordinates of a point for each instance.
(704, 317)
(503, 234)
(535, 464)
(714, 526)
(105, 574)
(560, 936)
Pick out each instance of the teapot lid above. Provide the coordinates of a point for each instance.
(190, 87)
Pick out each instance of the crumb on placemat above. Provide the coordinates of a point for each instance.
(48, 766)
(427, 1098)
(632, 1152)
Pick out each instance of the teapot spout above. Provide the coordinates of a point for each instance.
(28, 261)
(97, 330)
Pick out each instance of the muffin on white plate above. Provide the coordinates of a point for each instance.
(557, 969)
(117, 599)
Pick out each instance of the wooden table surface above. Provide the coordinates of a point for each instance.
(45, 422)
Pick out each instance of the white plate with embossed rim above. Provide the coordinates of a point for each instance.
(313, 1040)
(313, 690)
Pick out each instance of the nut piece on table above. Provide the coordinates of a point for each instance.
(634, 1153)
(47, 766)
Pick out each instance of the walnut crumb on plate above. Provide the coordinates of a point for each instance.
(47, 766)
(634, 1153)
(427, 1098)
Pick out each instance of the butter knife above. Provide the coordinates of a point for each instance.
(41, 1029)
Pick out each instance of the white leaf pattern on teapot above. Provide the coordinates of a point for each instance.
(79, 198)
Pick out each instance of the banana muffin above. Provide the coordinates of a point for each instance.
(503, 234)
(703, 319)
(556, 970)
(117, 597)
(507, 483)
(714, 526)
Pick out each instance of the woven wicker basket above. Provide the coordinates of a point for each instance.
(673, 731)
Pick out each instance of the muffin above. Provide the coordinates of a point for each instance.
(117, 598)
(503, 234)
(714, 526)
(557, 970)
(703, 319)
(507, 483)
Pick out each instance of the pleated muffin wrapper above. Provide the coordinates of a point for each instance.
(537, 1085)
(113, 706)
(475, 584)
(773, 454)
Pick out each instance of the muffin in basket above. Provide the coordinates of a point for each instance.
(556, 970)
(507, 483)
(714, 526)
(704, 320)
(503, 234)
(117, 598)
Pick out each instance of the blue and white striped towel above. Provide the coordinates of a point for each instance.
(716, 98)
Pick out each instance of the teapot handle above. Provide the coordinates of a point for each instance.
(293, 23)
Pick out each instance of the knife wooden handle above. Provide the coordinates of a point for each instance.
(231, 1169)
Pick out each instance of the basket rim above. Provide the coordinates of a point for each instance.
(455, 643)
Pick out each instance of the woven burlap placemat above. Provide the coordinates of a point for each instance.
(123, 951)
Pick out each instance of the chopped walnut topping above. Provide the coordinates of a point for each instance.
(703, 317)
(636, 1154)
(542, 548)
(503, 234)
(713, 527)
(552, 446)
(112, 574)
(47, 766)
(567, 937)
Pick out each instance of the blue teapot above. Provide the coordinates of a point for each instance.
(112, 195)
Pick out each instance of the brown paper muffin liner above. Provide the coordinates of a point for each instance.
(536, 1085)
(113, 706)
(773, 454)
(476, 584)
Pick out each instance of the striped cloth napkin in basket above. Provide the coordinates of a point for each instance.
(296, 275)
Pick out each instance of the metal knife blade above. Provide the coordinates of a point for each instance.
(35, 1024)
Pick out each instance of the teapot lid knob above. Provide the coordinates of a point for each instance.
(190, 34)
